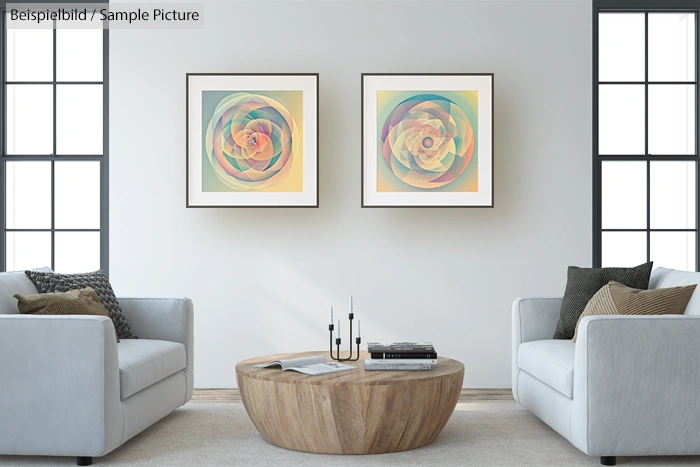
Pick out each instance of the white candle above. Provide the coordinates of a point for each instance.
(331, 318)
(337, 331)
(358, 328)
(350, 303)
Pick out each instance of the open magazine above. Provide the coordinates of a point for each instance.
(308, 365)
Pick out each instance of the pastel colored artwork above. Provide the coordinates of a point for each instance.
(252, 141)
(427, 141)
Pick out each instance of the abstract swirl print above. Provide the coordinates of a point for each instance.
(427, 141)
(252, 142)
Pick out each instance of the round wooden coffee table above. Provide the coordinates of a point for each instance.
(352, 412)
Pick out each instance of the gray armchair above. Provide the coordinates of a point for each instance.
(68, 389)
(627, 387)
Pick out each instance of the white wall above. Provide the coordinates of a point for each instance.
(262, 279)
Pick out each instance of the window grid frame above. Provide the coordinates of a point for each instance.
(646, 7)
(53, 158)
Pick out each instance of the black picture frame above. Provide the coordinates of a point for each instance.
(188, 203)
(363, 202)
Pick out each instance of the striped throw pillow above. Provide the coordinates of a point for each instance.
(618, 299)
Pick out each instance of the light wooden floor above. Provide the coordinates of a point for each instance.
(468, 395)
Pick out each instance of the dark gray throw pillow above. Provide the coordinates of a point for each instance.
(49, 282)
(583, 283)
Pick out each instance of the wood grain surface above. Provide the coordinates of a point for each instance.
(467, 396)
(352, 412)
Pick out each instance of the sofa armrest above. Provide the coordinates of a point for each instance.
(167, 319)
(636, 384)
(533, 319)
(59, 386)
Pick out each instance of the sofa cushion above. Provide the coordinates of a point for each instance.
(12, 283)
(550, 361)
(617, 299)
(144, 362)
(583, 283)
(662, 278)
(54, 282)
(76, 302)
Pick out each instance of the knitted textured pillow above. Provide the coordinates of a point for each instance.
(617, 299)
(583, 283)
(76, 302)
(48, 282)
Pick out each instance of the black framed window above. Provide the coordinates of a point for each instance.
(54, 148)
(645, 133)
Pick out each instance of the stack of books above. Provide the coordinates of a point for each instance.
(401, 356)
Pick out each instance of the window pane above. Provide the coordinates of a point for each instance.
(28, 250)
(675, 250)
(79, 119)
(30, 119)
(624, 195)
(624, 249)
(671, 47)
(77, 195)
(621, 47)
(79, 54)
(621, 119)
(672, 195)
(29, 54)
(671, 119)
(77, 252)
(28, 201)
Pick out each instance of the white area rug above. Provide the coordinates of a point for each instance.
(221, 434)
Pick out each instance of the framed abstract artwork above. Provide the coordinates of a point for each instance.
(252, 140)
(427, 140)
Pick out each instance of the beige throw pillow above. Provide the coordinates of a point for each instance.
(618, 299)
(76, 302)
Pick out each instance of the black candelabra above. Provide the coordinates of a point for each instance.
(331, 328)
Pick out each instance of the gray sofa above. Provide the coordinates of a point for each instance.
(68, 389)
(629, 386)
